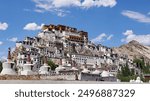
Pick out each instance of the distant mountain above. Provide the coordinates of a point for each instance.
(134, 50)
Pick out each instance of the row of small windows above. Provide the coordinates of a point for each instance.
(27, 43)
(88, 57)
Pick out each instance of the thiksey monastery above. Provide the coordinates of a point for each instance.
(77, 57)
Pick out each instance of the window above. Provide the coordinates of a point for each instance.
(24, 62)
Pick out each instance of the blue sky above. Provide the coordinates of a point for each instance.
(108, 22)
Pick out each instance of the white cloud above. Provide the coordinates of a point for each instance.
(109, 37)
(98, 3)
(88, 3)
(65, 3)
(58, 6)
(136, 16)
(101, 38)
(128, 32)
(14, 39)
(39, 10)
(33, 26)
(1, 42)
(143, 38)
(3, 26)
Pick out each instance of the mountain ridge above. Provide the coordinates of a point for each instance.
(134, 50)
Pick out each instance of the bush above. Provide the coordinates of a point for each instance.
(52, 64)
(125, 75)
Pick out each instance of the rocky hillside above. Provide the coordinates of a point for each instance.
(134, 50)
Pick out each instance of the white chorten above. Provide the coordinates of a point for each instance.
(97, 72)
(74, 68)
(8, 67)
(138, 80)
(60, 67)
(45, 68)
(27, 68)
(105, 74)
(85, 70)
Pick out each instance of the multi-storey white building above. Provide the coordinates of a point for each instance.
(80, 59)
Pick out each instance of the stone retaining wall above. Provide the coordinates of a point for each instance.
(58, 77)
(19, 77)
(37, 77)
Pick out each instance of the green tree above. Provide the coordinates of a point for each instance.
(52, 64)
(125, 75)
(132, 72)
(125, 70)
(140, 63)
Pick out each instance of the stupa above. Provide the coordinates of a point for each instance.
(74, 67)
(96, 72)
(85, 70)
(60, 67)
(45, 68)
(8, 67)
(105, 74)
(28, 67)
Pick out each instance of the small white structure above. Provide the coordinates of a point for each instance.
(98, 72)
(87, 75)
(74, 69)
(45, 68)
(28, 67)
(60, 67)
(138, 80)
(8, 67)
(105, 74)
(85, 70)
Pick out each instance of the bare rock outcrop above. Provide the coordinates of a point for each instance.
(134, 50)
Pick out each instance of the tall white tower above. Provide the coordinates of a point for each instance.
(8, 67)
